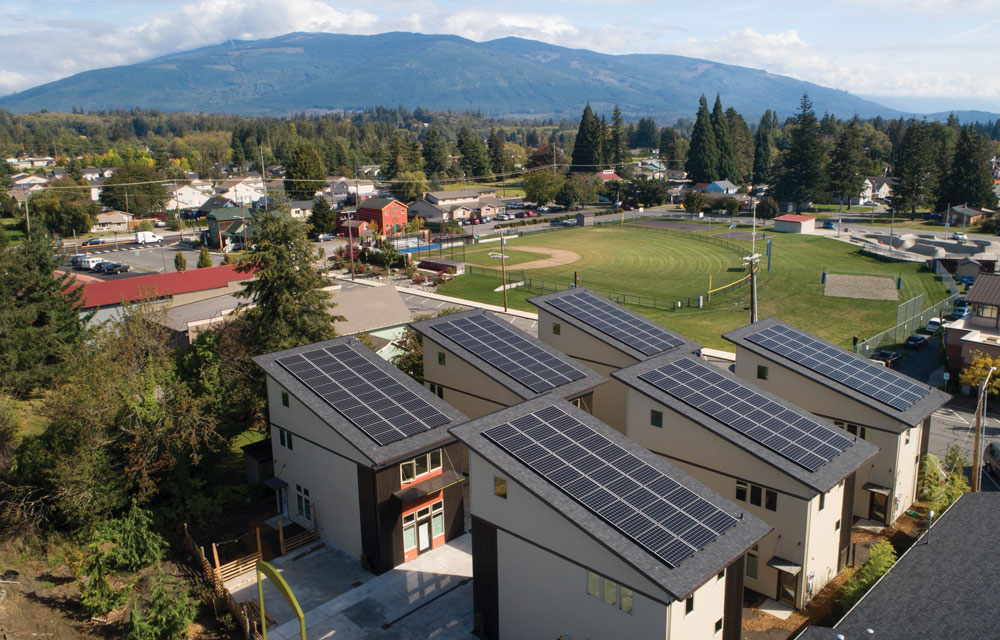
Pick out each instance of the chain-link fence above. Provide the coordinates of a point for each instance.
(894, 336)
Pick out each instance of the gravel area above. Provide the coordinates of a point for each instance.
(864, 287)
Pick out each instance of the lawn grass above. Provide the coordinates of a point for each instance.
(644, 262)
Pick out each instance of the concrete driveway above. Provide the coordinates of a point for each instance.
(429, 597)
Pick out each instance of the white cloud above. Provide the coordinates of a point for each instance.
(482, 25)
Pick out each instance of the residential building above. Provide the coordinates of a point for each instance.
(722, 186)
(112, 221)
(980, 332)
(188, 196)
(229, 226)
(479, 363)
(355, 229)
(362, 452)
(384, 215)
(28, 181)
(888, 409)
(607, 175)
(794, 223)
(578, 532)
(876, 188)
(941, 587)
(213, 203)
(605, 337)
(790, 469)
(246, 190)
(468, 197)
(962, 215)
(343, 189)
(31, 162)
(300, 209)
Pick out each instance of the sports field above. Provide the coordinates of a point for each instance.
(639, 261)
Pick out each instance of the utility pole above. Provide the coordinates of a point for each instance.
(27, 215)
(753, 260)
(503, 271)
(177, 212)
(263, 176)
(350, 243)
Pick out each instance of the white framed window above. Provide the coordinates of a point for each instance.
(285, 439)
(303, 502)
(610, 592)
(409, 532)
(437, 519)
(423, 464)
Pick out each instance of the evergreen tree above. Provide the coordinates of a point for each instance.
(724, 143)
(846, 167)
(763, 152)
(323, 218)
(618, 141)
(289, 306)
(475, 160)
(204, 258)
(180, 262)
(916, 170)
(970, 181)
(166, 614)
(304, 172)
(802, 178)
(670, 151)
(587, 150)
(703, 155)
(435, 152)
(743, 145)
(647, 134)
(495, 144)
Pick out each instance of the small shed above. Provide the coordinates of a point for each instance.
(258, 460)
(442, 265)
(794, 223)
(968, 268)
(585, 219)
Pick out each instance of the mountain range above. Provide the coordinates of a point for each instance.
(511, 77)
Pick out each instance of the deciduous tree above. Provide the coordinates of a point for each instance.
(134, 188)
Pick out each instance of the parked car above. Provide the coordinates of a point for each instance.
(933, 325)
(828, 224)
(958, 313)
(114, 268)
(966, 280)
(543, 209)
(323, 237)
(932, 216)
(958, 235)
(75, 260)
(522, 214)
(92, 242)
(159, 223)
(915, 342)
(101, 266)
(991, 459)
(88, 263)
(147, 237)
(888, 358)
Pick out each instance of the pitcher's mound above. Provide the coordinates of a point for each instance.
(864, 287)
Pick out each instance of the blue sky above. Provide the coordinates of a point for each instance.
(891, 48)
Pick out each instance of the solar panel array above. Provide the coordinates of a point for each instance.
(668, 520)
(607, 317)
(498, 345)
(790, 434)
(364, 394)
(866, 378)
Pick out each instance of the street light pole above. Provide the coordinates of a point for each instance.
(350, 244)
(503, 271)
(976, 447)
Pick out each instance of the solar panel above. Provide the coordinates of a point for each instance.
(866, 378)
(499, 346)
(665, 518)
(605, 316)
(364, 394)
(791, 434)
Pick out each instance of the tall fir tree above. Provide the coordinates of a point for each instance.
(619, 143)
(970, 181)
(743, 145)
(647, 134)
(703, 156)
(475, 160)
(847, 165)
(587, 150)
(802, 176)
(435, 152)
(323, 218)
(916, 170)
(724, 143)
(305, 174)
(494, 145)
(673, 149)
(763, 151)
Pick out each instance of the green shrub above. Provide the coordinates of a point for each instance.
(174, 224)
(180, 262)
(204, 259)
(882, 557)
(166, 614)
(97, 595)
(147, 225)
(130, 542)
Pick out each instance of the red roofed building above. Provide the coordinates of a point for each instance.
(385, 215)
(794, 223)
(607, 174)
(179, 287)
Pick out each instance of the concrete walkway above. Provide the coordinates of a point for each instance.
(430, 597)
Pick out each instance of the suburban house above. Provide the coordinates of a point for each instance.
(675, 174)
(246, 190)
(888, 409)
(362, 453)
(28, 181)
(605, 337)
(876, 188)
(698, 187)
(229, 226)
(188, 196)
(980, 332)
(31, 162)
(722, 186)
(479, 363)
(793, 471)
(349, 190)
(467, 197)
(112, 221)
(436, 214)
(300, 209)
(607, 175)
(354, 228)
(968, 268)
(578, 532)
(384, 215)
(968, 216)
(213, 203)
(940, 588)
(794, 223)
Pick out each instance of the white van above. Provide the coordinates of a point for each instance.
(147, 237)
(89, 262)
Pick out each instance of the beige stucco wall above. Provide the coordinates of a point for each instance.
(610, 397)
(895, 466)
(709, 608)
(332, 480)
(812, 542)
(466, 388)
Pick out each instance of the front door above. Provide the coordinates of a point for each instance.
(787, 585)
(878, 507)
(283, 501)
(423, 536)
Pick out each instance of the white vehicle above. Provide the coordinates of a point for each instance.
(89, 262)
(933, 325)
(958, 235)
(147, 237)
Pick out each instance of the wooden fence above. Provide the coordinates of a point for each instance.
(299, 540)
(214, 578)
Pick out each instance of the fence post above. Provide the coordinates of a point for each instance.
(281, 535)
(260, 551)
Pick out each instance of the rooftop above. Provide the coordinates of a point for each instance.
(679, 581)
(160, 285)
(985, 290)
(377, 203)
(419, 418)
(792, 217)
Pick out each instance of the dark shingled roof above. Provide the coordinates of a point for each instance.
(680, 581)
(378, 455)
(590, 380)
(944, 586)
(832, 472)
(986, 290)
(912, 415)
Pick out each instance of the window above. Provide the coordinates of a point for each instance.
(836, 527)
(741, 491)
(422, 464)
(284, 398)
(436, 389)
(822, 501)
(500, 487)
(409, 531)
(771, 500)
(285, 439)
(441, 358)
(986, 311)
(303, 503)
(718, 625)
(755, 492)
(556, 328)
(907, 436)
(437, 519)
(610, 592)
(853, 429)
(721, 576)
(761, 372)
(593, 584)
(689, 605)
(656, 418)
(752, 563)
